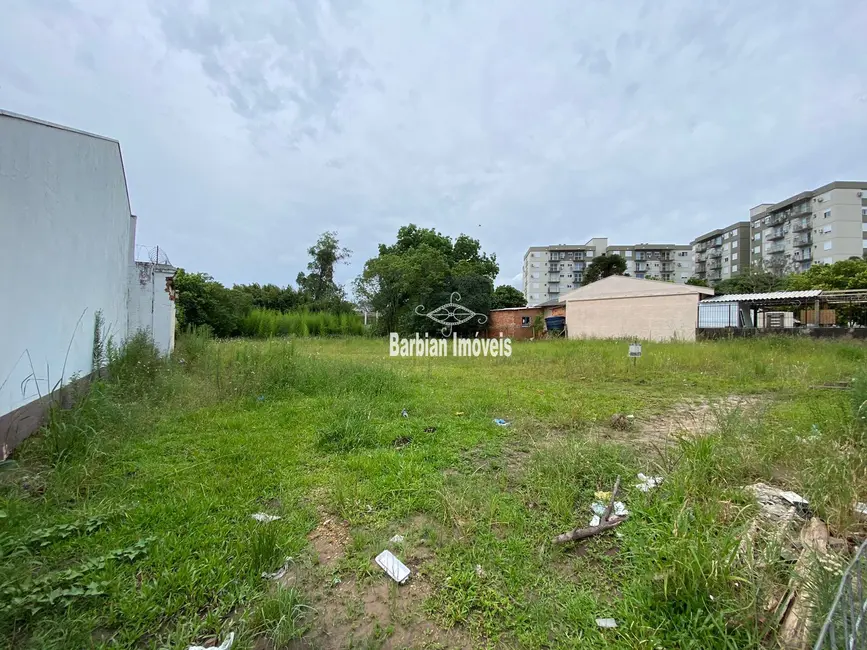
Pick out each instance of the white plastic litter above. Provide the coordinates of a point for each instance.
(396, 569)
(480, 571)
(861, 510)
(264, 518)
(279, 573)
(595, 520)
(397, 539)
(606, 623)
(619, 509)
(225, 645)
(648, 482)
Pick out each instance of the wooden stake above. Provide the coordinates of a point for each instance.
(607, 513)
(590, 531)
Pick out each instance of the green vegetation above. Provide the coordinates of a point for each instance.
(263, 323)
(424, 267)
(127, 522)
(604, 266)
(204, 302)
(507, 296)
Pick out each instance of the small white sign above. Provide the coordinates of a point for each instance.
(635, 349)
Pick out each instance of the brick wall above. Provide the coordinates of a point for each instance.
(508, 322)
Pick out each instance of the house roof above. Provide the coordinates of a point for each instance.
(553, 302)
(621, 286)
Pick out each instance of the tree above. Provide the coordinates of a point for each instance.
(604, 266)
(317, 287)
(751, 281)
(422, 268)
(697, 282)
(507, 296)
(201, 300)
(845, 274)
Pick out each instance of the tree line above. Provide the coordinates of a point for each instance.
(420, 272)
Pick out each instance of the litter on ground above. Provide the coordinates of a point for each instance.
(500, 422)
(404, 413)
(279, 573)
(606, 623)
(264, 517)
(619, 509)
(225, 645)
(397, 539)
(396, 569)
(648, 482)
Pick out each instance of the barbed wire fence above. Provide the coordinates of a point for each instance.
(152, 254)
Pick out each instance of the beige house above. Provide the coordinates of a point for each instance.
(621, 307)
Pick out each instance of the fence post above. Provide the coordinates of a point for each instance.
(816, 319)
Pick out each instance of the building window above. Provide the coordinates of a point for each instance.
(864, 212)
(734, 256)
(828, 260)
(735, 243)
(534, 275)
(828, 245)
(535, 265)
(629, 253)
(827, 228)
(534, 254)
(757, 250)
(757, 236)
(734, 268)
(684, 276)
(568, 286)
(827, 214)
(725, 259)
(525, 321)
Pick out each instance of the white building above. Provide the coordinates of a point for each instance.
(825, 225)
(67, 242)
(550, 271)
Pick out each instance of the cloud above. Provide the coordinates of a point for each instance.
(250, 127)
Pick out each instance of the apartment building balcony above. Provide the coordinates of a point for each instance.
(800, 224)
(776, 248)
(714, 275)
(554, 268)
(668, 267)
(579, 266)
(779, 233)
(701, 247)
(716, 252)
(712, 266)
(802, 240)
(802, 255)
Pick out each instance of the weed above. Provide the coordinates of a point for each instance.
(279, 616)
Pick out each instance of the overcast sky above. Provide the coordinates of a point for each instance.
(250, 126)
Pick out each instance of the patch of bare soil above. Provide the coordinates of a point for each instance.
(692, 417)
(330, 539)
(374, 611)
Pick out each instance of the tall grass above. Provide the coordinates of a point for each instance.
(265, 323)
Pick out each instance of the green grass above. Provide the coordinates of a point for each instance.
(265, 323)
(127, 522)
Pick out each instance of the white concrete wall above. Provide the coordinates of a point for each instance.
(151, 307)
(65, 233)
(651, 318)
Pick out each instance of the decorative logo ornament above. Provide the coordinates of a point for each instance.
(451, 314)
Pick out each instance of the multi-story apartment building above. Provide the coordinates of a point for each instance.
(669, 262)
(823, 225)
(722, 254)
(550, 271)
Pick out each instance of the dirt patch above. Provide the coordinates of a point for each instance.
(692, 417)
(377, 613)
(371, 610)
(330, 539)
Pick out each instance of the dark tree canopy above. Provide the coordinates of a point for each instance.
(423, 267)
(507, 296)
(697, 282)
(604, 266)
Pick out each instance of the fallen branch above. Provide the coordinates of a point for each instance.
(607, 514)
(590, 531)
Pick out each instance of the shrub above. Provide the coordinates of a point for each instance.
(264, 323)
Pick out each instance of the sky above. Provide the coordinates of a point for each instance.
(248, 127)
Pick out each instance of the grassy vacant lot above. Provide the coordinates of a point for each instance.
(128, 521)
